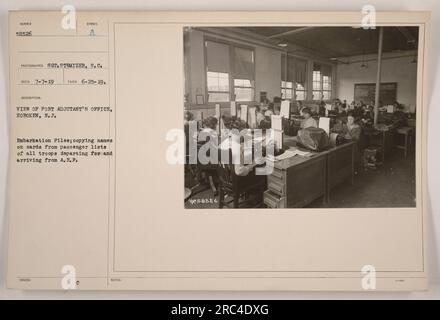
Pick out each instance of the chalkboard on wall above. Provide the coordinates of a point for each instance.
(366, 92)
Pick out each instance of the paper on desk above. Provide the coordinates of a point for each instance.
(285, 109)
(252, 118)
(244, 112)
(285, 155)
(390, 109)
(290, 153)
(278, 138)
(217, 111)
(276, 122)
(324, 123)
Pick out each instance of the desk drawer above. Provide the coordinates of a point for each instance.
(273, 200)
(276, 185)
(277, 173)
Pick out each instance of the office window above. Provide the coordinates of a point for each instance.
(322, 82)
(300, 79)
(244, 90)
(217, 71)
(287, 77)
(230, 72)
(244, 74)
(218, 86)
(326, 82)
(317, 81)
(286, 90)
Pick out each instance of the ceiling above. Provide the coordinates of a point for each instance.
(333, 42)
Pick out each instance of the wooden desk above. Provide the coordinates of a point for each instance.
(297, 181)
(340, 166)
(385, 140)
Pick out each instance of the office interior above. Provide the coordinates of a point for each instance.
(357, 85)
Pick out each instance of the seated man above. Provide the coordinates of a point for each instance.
(308, 120)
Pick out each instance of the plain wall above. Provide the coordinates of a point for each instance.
(395, 68)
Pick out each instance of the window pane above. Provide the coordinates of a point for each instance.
(238, 82)
(286, 94)
(218, 97)
(316, 95)
(326, 83)
(218, 81)
(244, 94)
(283, 84)
(316, 76)
(223, 84)
(316, 85)
(243, 83)
(247, 83)
(212, 84)
(300, 95)
(326, 95)
(299, 86)
(289, 85)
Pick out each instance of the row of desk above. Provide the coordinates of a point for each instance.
(297, 181)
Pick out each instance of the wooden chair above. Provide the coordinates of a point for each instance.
(203, 174)
(207, 172)
(239, 187)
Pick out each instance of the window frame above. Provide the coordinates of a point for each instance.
(330, 83)
(286, 88)
(293, 89)
(231, 70)
(321, 89)
(305, 91)
(208, 92)
(252, 88)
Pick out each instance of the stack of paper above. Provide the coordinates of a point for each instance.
(324, 123)
(285, 109)
(291, 153)
(244, 112)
